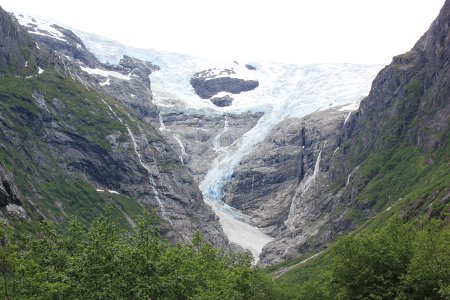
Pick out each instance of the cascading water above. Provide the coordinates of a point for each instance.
(216, 142)
(303, 188)
(145, 166)
(183, 150)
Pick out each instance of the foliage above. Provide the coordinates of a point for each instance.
(105, 262)
(397, 261)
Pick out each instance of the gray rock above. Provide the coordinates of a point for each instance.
(222, 101)
(207, 86)
(17, 47)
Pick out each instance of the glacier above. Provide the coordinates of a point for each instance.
(284, 91)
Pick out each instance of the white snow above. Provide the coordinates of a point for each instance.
(41, 27)
(132, 95)
(113, 192)
(106, 82)
(26, 64)
(105, 73)
(100, 190)
(352, 106)
(240, 232)
(40, 71)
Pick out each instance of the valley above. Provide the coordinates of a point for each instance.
(292, 165)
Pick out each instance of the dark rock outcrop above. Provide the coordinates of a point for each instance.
(222, 101)
(9, 194)
(10, 204)
(17, 48)
(207, 86)
(69, 44)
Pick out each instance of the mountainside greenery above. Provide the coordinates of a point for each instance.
(30, 107)
(400, 253)
(397, 261)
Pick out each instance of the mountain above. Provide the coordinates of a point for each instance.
(311, 183)
(274, 158)
(71, 149)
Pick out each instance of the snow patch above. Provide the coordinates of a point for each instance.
(106, 82)
(40, 27)
(352, 106)
(106, 73)
(40, 71)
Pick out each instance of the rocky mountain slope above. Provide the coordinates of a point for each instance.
(69, 148)
(272, 148)
(309, 182)
(210, 136)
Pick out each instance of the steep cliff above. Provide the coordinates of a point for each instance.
(74, 150)
(388, 159)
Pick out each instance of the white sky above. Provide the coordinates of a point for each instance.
(298, 31)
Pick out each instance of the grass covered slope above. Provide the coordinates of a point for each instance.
(41, 117)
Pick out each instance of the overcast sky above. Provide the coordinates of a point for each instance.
(299, 31)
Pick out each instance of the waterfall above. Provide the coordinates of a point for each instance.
(216, 142)
(183, 150)
(141, 162)
(350, 175)
(162, 127)
(347, 117)
(303, 187)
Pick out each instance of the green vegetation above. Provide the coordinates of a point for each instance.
(105, 262)
(38, 115)
(398, 261)
(74, 197)
(401, 252)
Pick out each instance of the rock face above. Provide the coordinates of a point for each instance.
(17, 48)
(62, 40)
(284, 187)
(134, 92)
(222, 101)
(306, 197)
(267, 180)
(207, 88)
(198, 138)
(408, 101)
(10, 203)
(209, 83)
(80, 146)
